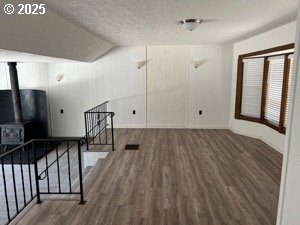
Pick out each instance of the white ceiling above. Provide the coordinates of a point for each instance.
(13, 56)
(48, 35)
(155, 22)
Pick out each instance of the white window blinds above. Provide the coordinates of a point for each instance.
(290, 75)
(252, 87)
(274, 89)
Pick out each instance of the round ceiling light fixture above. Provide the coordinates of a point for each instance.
(191, 24)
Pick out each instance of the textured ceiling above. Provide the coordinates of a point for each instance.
(13, 56)
(48, 35)
(155, 22)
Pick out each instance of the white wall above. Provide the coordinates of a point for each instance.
(289, 201)
(31, 75)
(175, 90)
(4, 76)
(167, 86)
(209, 86)
(114, 77)
(125, 85)
(277, 37)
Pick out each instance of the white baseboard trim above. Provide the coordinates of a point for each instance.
(208, 127)
(165, 126)
(277, 148)
(130, 126)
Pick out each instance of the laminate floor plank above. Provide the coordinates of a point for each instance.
(178, 176)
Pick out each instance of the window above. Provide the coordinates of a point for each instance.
(264, 86)
(274, 89)
(252, 87)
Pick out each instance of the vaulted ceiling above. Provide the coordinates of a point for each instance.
(155, 22)
(48, 35)
(15, 56)
(84, 30)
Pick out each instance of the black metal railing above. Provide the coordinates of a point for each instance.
(96, 126)
(39, 167)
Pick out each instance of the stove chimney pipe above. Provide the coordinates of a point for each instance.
(15, 91)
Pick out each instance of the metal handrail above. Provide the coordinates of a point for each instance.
(95, 124)
(68, 149)
(15, 149)
(28, 148)
(39, 140)
(97, 106)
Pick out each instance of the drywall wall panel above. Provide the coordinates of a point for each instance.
(4, 76)
(209, 86)
(288, 209)
(30, 75)
(112, 78)
(125, 85)
(174, 97)
(70, 95)
(167, 86)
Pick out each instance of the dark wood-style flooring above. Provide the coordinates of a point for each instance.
(184, 177)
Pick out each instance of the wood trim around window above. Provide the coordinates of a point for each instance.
(239, 86)
(249, 118)
(271, 125)
(264, 89)
(270, 50)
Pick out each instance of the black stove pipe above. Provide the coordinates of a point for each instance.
(15, 91)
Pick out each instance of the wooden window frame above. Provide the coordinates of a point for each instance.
(239, 86)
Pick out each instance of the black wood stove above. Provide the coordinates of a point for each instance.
(15, 133)
(14, 129)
